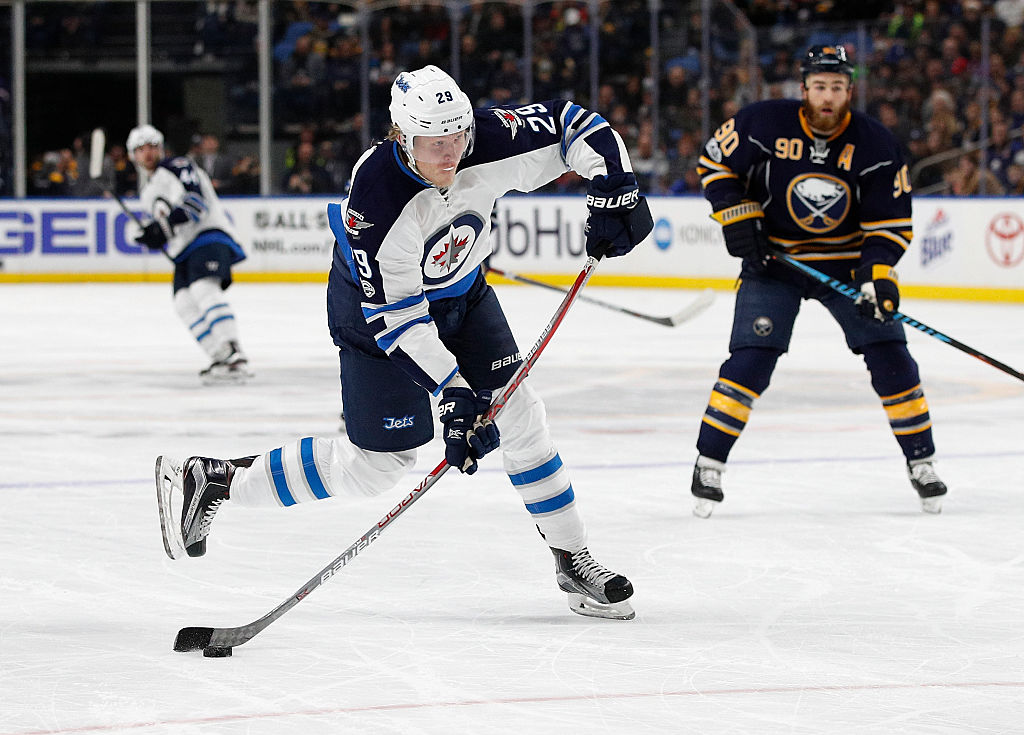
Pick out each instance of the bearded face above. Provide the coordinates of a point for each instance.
(826, 100)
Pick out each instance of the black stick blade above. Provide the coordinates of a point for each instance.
(192, 639)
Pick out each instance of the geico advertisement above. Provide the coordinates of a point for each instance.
(95, 236)
(975, 243)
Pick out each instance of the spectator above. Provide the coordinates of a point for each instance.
(682, 167)
(301, 82)
(216, 164)
(126, 176)
(649, 163)
(966, 178)
(245, 176)
(306, 176)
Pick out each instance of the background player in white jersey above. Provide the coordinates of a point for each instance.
(189, 224)
(827, 185)
(412, 315)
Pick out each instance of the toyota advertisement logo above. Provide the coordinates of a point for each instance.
(1004, 240)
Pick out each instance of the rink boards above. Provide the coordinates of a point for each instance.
(963, 248)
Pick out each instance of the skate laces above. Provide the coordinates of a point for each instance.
(207, 519)
(585, 565)
(924, 473)
(710, 477)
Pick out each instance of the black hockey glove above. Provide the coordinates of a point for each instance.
(153, 236)
(743, 230)
(619, 215)
(467, 437)
(879, 291)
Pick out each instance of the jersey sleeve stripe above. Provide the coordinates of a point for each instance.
(588, 125)
(446, 381)
(372, 310)
(903, 243)
(708, 163)
(711, 178)
(386, 339)
(887, 224)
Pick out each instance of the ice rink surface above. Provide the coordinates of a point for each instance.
(817, 599)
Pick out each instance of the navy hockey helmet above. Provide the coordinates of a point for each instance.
(826, 59)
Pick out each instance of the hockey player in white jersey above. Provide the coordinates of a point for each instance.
(412, 316)
(190, 225)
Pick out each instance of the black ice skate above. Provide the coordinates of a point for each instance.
(188, 496)
(233, 367)
(707, 485)
(593, 590)
(927, 484)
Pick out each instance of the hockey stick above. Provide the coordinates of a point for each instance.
(99, 142)
(702, 302)
(852, 293)
(219, 641)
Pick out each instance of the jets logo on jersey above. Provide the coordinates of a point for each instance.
(354, 222)
(448, 249)
(510, 120)
(818, 203)
(393, 422)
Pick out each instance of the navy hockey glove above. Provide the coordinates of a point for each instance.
(153, 236)
(467, 438)
(743, 230)
(879, 291)
(619, 215)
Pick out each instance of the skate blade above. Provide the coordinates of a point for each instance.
(932, 505)
(591, 608)
(702, 507)
(228, 379)
(168, 480)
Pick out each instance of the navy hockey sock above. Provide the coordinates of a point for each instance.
(741, 379)
(896, 380)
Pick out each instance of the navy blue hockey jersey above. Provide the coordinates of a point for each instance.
(404, 243)
(841, 198)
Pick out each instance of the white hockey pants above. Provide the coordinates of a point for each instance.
(312, 468)
(205, 311)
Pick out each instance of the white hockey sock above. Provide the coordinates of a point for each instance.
(313, 469)
(536, 471)
(204, 309)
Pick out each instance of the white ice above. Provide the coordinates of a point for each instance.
(817, 599)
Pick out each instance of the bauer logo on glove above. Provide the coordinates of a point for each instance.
(468, 435)
(619, 216)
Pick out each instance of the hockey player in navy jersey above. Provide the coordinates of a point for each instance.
(189, 224)
(412, 316)
(829, 186)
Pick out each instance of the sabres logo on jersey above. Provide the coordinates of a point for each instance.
(447, 250)
(354, 222)
(818, 203)
(510, 120)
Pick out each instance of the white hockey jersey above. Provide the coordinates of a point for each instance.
(180, 192)
(404, 243)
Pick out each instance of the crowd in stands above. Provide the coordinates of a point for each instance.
(922, 71)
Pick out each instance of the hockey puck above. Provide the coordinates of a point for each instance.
(217, 651)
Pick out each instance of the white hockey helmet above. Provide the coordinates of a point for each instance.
(428, 102)
(143, 135)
